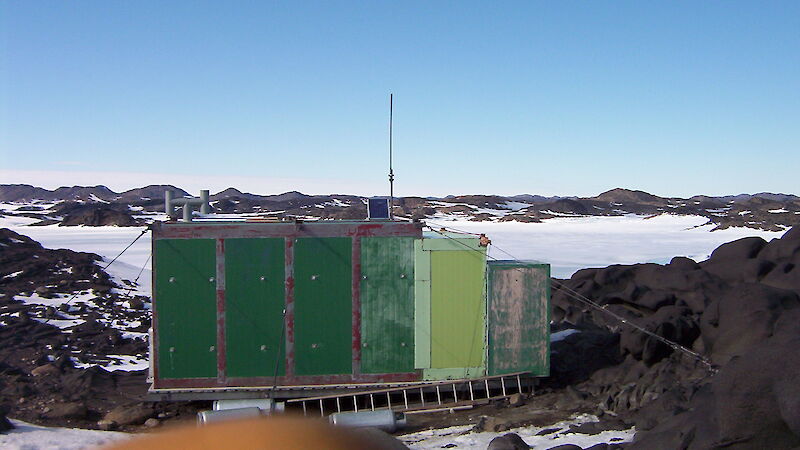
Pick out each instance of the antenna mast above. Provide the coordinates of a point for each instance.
(391, 172)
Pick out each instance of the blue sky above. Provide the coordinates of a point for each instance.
(555, 98)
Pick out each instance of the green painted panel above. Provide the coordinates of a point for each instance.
(254, 300)
(458, 309)
(323, 306)
(519, 318)
(387, 304)
(186, 306)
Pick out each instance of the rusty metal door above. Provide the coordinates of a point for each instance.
(519, 318)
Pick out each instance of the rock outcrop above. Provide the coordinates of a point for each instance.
(739, 312)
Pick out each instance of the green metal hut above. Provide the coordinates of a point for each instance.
(247, 307)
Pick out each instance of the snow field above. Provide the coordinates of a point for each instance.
(569, 244)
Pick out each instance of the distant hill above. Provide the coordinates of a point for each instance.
(152, 192)
(621, 195)
(763, 210)
(26, 192)
(534, 198)
(763, 195)
(22, 193)
(288, 196)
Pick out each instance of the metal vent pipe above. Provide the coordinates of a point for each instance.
(171, 203)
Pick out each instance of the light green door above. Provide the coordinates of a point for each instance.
(458, 309)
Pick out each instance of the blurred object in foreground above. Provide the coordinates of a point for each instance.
(266, 433)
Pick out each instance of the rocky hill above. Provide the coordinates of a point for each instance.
(738, 312)
(767, 211)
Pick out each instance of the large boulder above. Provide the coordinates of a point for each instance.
(574, 358)
(738, 261)
(785, 247)
(134, 414)
(753, 403)
(508, 441)
(70, 410)
(671, 322)
(743, 317)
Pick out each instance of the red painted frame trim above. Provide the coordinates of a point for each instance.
(304, 380)
(289, 305)
(356, 298)
(224, 230)
(221, 346)
(154, 319)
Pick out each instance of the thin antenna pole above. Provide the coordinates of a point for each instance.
(391, 172)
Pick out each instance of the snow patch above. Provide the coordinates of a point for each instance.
(97, 199)
(462, 437)
(515, 206)
(561, 335)
(64, 324)
(562, 214)
(32, 437)
(57, 300)
(124, 363)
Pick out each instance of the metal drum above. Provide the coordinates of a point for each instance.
(207, 417)
(384, 419)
